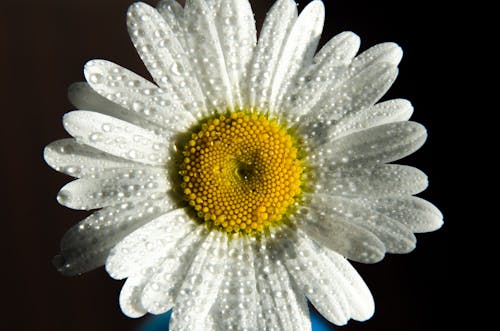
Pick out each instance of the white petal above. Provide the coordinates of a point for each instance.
(396, 237)
(163, 287)
(139, 255)
(236, 29)
(381, 144)
(214, 5)
(148, 244)
(390, 111)
(274, 33)
(83, 97)
(133, 92)
(205, 50)
(130, 296)
(338, 233)
(201, 285)
(375, 181)
(415, 213)
(114, 186)
(329, 281)
(358, 294)
(328, 65)
(164, 56)
(173, 14)
(338, 51)
(298, 51)
(385, 52)
(117, 137)
(78, 160)
(327, 296)
(160, 276)
(236, 309)
(86, 245)
(282, 306)
(356, 93)
(376, 66)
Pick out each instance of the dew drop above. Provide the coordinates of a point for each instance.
(137, 106)
(106, 127)
(134, 83)
(176, 69)
(73, 171)
(95, 137)
(96, 78)
(132, 154)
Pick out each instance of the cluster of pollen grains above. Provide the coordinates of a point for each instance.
(241, 173)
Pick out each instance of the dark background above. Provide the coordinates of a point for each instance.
(44, 45)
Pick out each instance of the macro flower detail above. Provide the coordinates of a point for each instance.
(240, 173)
(235, 188)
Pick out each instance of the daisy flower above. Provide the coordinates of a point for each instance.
(240, 182)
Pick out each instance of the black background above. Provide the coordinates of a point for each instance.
(44, 47)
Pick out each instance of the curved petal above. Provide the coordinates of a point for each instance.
(376, 66)
(391, 111)
(275, 30)
(114, 186)
(148, 245)
(396, 237)
(328, 65)
(164, 284)
(200, 288)
(205, 49)
(359, 92)
(165, 56)
(329, 282)
(417, 214)
(320, 132)
(236, 29)
(83, 97)
(375, 181)
(281, 305)
(387, 52)
(157, 239)
(173, 14)
(133, 92)
(87, 244)
(117, 137)
(338, 233)
(298, 50)
(78, 160)
(381, 144)
(236, 309)
(338, 51)
(130, 295)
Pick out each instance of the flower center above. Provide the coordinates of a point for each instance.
(241, 173)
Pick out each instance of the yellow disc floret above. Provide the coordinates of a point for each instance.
(240, 173)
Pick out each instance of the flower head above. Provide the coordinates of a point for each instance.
(241, 181)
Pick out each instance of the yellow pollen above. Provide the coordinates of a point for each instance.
(240, 173)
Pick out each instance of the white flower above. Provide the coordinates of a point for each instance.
(239, 183)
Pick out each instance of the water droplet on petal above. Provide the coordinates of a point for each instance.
(95, 137)
(132, 154)
(96, 78)
(137, 106)
(73, 171)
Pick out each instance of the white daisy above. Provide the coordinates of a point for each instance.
(241, 182)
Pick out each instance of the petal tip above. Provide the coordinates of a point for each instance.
(60, 263)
